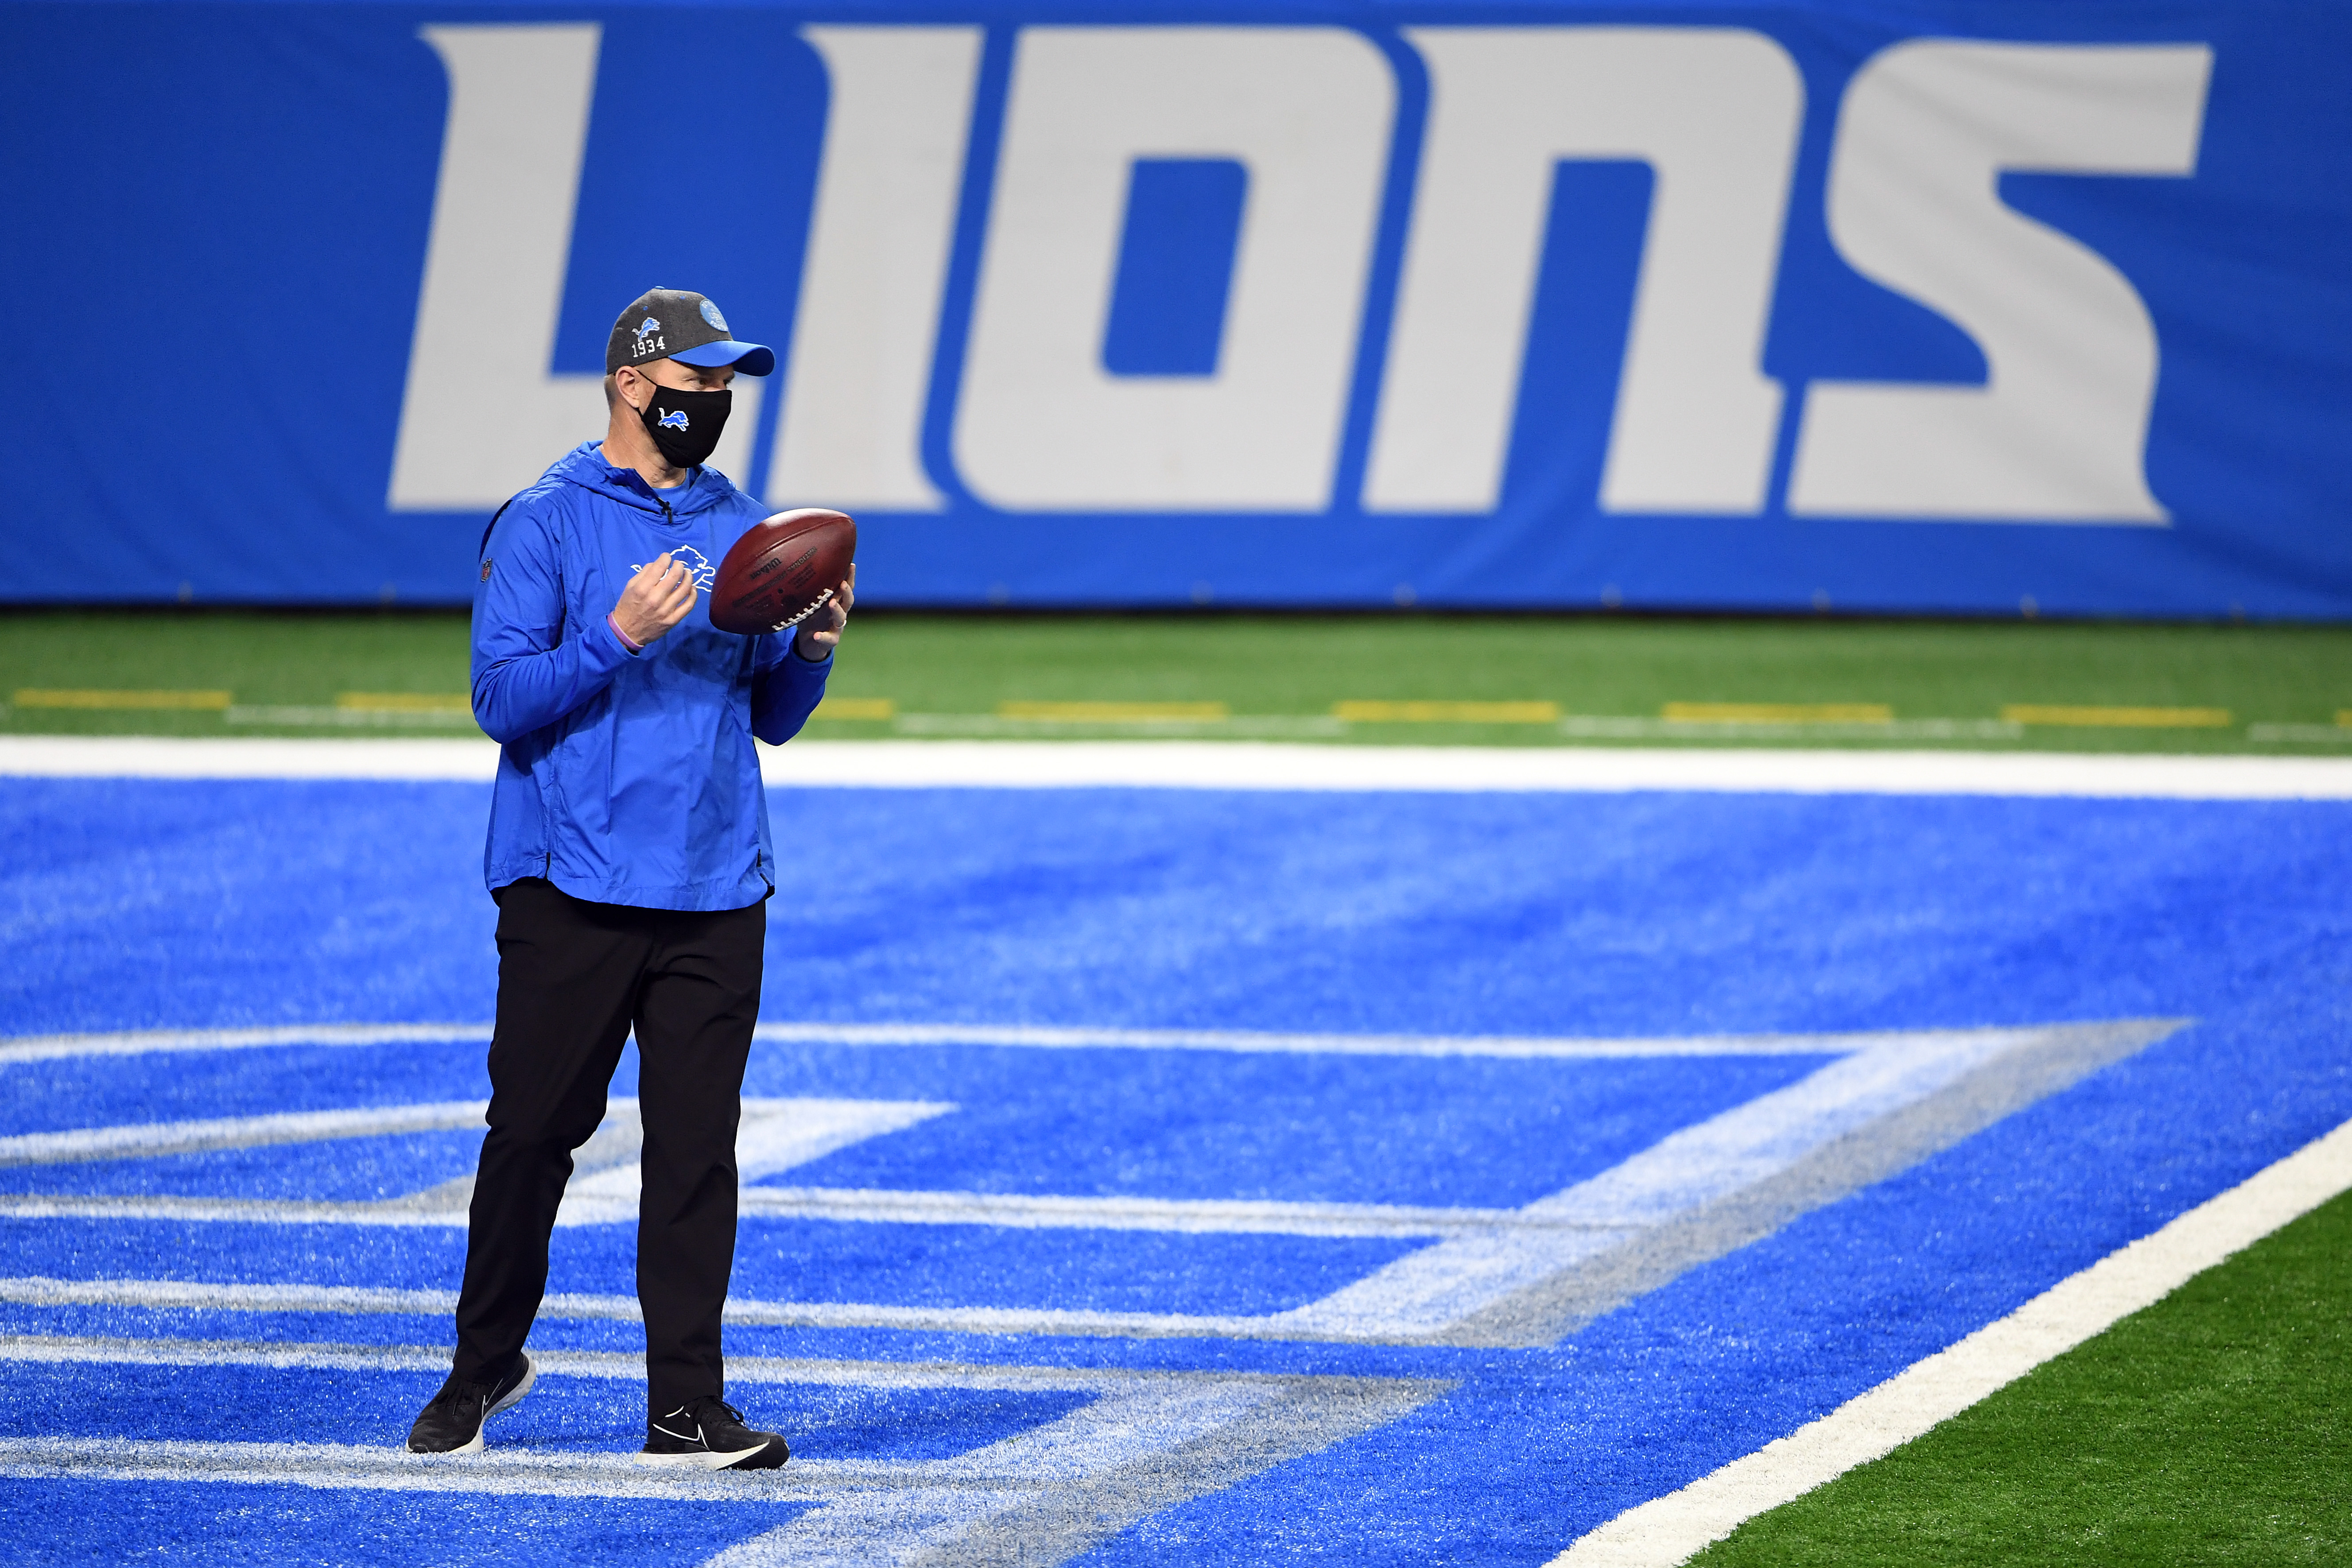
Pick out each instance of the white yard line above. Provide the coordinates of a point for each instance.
(1248, 765)
(1143, 1442)
(151, 1140)
(1671, 1530)
(1019, 1211)
(1524, 1264)
(1275, 1042)
(141, 1042)
(135, 1042)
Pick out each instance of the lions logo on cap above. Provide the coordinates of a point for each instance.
(710, 314)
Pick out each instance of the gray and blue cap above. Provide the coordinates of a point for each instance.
(680, 324)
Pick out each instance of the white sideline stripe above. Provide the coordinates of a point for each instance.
(1252, 765)
(1671, 1530)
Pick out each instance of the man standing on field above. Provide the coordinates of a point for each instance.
(630, 857)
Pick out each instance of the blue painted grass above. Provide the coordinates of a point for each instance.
(255, 1526)
(142, 905)
(563, 1414)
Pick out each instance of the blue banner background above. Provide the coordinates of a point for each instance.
(218, 225)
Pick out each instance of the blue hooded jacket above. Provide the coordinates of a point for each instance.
(627, 778)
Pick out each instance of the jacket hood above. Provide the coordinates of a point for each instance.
(585, 466)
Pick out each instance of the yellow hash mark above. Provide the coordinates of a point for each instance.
(407, 701)
(53, 697)
(2116, 717)
(2344, 718)
(1777, 713)
(856, 708)
(1111, 712)
(1368, 712)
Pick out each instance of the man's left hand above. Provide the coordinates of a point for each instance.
(817, 636)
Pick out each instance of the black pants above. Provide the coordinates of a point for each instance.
(573, 978)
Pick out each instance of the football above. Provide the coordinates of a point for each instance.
(782, 570)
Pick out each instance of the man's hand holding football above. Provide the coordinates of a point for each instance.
(821, 633)
(656, 599)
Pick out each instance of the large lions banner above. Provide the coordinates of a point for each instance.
(1977, 307)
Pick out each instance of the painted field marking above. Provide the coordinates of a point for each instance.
(1777, 713)
(1359, 711)
(1030, 1036)
(1253, 765)
(1881, 1103)
(310, 716)
(2335, 735)
(774, 1135)
(151, 1140)
(453, 702)
(2085, 716)
(1113, 712)
(860, 708)
(931, 727)
(609, 1197)
(1146, 1441)
(143, 1042)
(51, 697)
(1605, 727)
(1670, 1530)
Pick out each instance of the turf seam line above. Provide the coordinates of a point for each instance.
(1252, 765)
(1671, 1530)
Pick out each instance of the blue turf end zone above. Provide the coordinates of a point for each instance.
(1205, 1194)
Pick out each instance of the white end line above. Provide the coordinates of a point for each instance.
(1259, 765)
(1671, 1530)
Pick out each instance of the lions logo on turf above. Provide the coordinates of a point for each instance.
(673, 420)
(693, 560)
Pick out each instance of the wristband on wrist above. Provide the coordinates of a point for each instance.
(631, 643)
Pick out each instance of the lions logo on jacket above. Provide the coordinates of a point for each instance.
(694, 560)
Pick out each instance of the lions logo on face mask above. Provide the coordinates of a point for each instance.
(673, 420)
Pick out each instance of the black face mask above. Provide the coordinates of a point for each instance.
(685, 425)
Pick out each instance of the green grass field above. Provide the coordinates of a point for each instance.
(2213, 1427)
(1582, 680)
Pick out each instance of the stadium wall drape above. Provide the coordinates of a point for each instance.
(1846, 305)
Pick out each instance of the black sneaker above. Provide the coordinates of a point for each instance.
(709, 1434)
(452, 1422)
